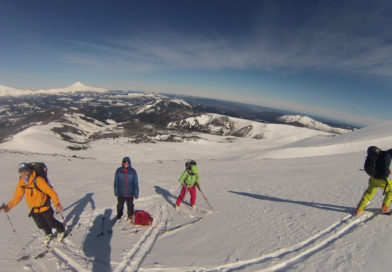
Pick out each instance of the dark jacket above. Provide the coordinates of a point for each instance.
(126, 182)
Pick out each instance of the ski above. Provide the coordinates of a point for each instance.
(42, 254)
(375, 211)
(197, 219)
(24, 253)
(24, 257)
(53, 243)
(385, 213)
(193, 212)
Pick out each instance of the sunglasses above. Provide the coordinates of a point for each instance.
(24, 174)
(125, 161)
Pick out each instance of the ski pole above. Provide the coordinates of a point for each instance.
(205, 198)
(13, 229)
(65, 224)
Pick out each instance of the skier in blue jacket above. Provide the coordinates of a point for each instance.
(126, 187)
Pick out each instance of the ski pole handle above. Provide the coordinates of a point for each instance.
(65, 223)
(3, 208)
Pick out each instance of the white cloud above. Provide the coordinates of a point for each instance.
(268, 49)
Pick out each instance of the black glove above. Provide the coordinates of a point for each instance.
(4, 208)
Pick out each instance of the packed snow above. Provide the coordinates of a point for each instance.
(283, 202)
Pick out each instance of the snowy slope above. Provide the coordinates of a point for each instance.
(224, 125)
(310, 123)
(281, 203)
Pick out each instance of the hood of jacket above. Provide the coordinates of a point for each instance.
(126, 159)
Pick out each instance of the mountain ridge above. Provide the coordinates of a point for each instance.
(75, 87)
(83, 117)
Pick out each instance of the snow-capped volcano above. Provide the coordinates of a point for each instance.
(76, 87)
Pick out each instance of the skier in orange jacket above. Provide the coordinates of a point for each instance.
(38, 201)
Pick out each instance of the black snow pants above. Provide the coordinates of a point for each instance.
(120, 206)
(46, 221)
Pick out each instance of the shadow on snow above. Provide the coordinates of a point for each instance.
(97, 243)
(169, 197)
(322, 206)
(79, 207)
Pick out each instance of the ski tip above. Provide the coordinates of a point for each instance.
(24, 258)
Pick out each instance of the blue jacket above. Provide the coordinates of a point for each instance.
(126, 182)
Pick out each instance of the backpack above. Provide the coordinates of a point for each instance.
(377, 163)
(41, 171)
(141, 218)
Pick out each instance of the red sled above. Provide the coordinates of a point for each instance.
(141, 218)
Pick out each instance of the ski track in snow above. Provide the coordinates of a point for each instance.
(283, 258)
(58, 251)
(64, 258)
(135, 256)
(274, 261)
(66, 255)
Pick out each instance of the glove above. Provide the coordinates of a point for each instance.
(4, 208)
(59, 208)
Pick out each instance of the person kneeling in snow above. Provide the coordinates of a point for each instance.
(38, 201)
(189, 179)
(126, 187)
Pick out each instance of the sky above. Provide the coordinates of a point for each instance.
(329, 58)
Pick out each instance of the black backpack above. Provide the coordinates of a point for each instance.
(373, 153)
(42, 171)
(377, 163)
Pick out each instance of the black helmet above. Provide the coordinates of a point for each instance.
(189, 164)
(24, 167)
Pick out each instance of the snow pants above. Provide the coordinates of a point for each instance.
(46, 221)
(120, 206)
(374, 184)
(184, 190)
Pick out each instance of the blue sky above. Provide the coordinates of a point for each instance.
(331, 58)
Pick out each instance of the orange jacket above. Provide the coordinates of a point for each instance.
(34, 198)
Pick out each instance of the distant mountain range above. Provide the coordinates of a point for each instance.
(82, 114)
(76, 87)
